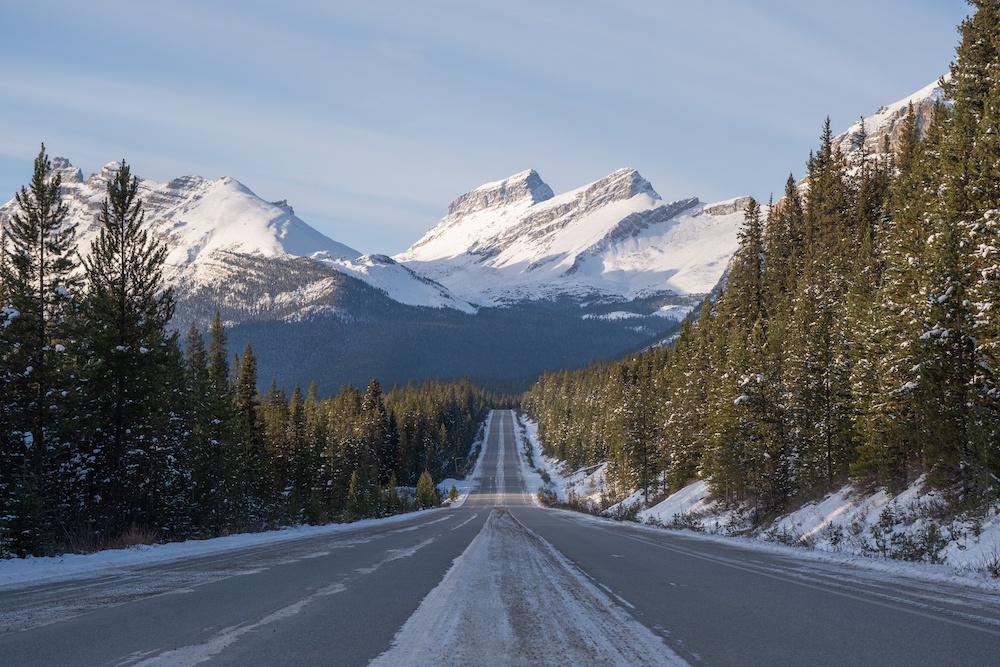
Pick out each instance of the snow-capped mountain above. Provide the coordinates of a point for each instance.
(613, 239)
(230, 250)
(515, 279)
(199, 217)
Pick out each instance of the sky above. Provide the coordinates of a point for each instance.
(370, 117)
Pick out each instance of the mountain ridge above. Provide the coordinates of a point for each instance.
(609, 239)
(512, 272)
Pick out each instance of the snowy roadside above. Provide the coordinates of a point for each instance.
(545, 474)
(846, 527)
(465, 486)
(19, 572)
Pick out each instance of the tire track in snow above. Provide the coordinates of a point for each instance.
(511, 598)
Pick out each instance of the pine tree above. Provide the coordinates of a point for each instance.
(819, 368)
(303, 464)
(36, 340)
(883, 380)
(749, 458)
(375, 431)
(958, 388)
(198, 427)
(685, 402)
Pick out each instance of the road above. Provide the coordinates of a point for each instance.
(498, 581)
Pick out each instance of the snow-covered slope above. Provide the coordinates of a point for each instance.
(231, 250)
(514, 240)
(199, 217)
(399, 282)
(887, 121)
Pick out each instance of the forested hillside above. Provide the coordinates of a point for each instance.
(856, 337)
(112, 432)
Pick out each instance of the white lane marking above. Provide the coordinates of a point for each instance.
(198, 653)
(613, 594)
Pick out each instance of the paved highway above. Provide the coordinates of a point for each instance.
(498, 581)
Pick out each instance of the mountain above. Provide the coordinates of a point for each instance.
(514, 280)
(250, 259)
(199, 217)
(613, 240)
(398, 282)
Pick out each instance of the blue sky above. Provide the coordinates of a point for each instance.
(370, 117)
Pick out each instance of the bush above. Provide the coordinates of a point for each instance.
(547, 497)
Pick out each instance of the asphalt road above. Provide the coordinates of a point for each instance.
(341, 599)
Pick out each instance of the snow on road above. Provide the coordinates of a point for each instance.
(511, 596)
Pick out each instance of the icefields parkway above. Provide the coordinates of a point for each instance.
(493, 580)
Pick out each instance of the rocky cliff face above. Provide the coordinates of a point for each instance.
(527, 185)
(887, 122)
(622, 185)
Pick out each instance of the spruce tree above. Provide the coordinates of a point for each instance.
(427, 494)
(884, 380)
(256, 488)
(375, 431)
(129, 354)
(819, 368)
(216, 483)
(198, 427)
(961, 334)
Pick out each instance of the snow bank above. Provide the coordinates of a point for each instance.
(912, 532)
(578, 488)
(17, 572)
(914, 527)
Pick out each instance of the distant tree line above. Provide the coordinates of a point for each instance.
(857, 336)
(110, 427)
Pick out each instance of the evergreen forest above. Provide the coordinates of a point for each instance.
(113, 431)
(856, 338)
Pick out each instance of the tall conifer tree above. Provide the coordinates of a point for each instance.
(36, 342)
(130, 358)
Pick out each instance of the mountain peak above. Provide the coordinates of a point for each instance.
(624, 183)
(66, 170)
(524, 186)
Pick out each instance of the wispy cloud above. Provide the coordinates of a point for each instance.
(372, 116)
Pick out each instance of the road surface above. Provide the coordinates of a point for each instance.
(498, 581)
